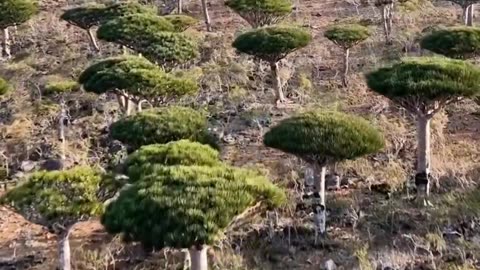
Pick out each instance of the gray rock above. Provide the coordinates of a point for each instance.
(332, 182)
(28, 166)
(330, 265)
(52, 165)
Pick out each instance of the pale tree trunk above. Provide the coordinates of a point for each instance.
(93, 40)
(387, 15)
(422, 180)
(64, 250)
(319, 206)
(6, 44)
(277, 84)
(207, 17)
(198, 256)
(470, 12)
(465, 12)
(124, 103)
(180, 6)
(61, 130)
(346, 57)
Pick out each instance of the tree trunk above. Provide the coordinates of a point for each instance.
(277, 84)
(64, 250)
(346, 57)
(180, 6)
(6, 44)
(385, 24)
(198, 257)
(93, 40)
(470, 12)
(465, 12)
(207, 17)
(61, 130)
(319, 206)
(423, 158)
(129, 105)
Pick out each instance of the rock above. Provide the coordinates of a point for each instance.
(28, 166)
(52, 165)
(330, 265)
(332, 182)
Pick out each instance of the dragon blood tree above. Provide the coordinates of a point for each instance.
(89, 16)
(135, 79)
(272, 44)
(260, 13)
(58, 200)
(424, 86)
(347, 36)
(153, 36)
(13, 13)
(455, 42)
(188, 207)
(468, 10)
(162, 125)
(323, 138)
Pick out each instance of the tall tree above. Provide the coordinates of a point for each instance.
(188, 207)
(260, 13)
(13, 13)
(58, 200)
(134, 79)
(467, 10)
(162, 125)
(152, 36)
(424, 86)
(272, 44)
(323, 138)
(455, 42)
(347, 36)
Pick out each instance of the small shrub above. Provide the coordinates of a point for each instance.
(61, 87)
(180, 22)
(4, 87)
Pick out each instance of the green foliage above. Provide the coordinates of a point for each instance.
(161, 125)
(181, 152)
(152, 36)
(426, 79)
(261, 12)
(96, 14)
(4, 87)
(272, 43)
(180, 22)
(60, 87)
(347, 35)
(136, 76)
(57, 196)
(325, 136)
(15, 12)
(455, 42)
(183, 206)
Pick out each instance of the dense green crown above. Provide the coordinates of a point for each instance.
(96, 14)
(14, 12)
(58, 196)
(152, 36)
(272, 43)
(426, 79)
(181, 152)
(137, 77)
(161, 125)
(347, 35)
(183, 206)
(4, 87)
(328, 136)
(455, 42)
(261, 12)
(61, 87)
(180, 22)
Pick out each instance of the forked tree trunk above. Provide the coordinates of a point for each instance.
(180, 6)
(207, 17)
(422, 180)
(64, 250)
(277, 83)
(346, 57)
(387, 15)
(93, 40)
(6, 44)
(319, 205)
(125, 104)
(198, 256)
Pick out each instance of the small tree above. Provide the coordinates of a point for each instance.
(272, 44)
(468, 10)
(454, 42)
(260, 13)
(4, 87)
(162, 125)
(152, 36)
(181, 152)
(58, 200)
(347, 36)
(424, 86)
(323, 139)
(89, 16)
(187, 207)
(12, 13)
(134, 79)
(386, 7)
